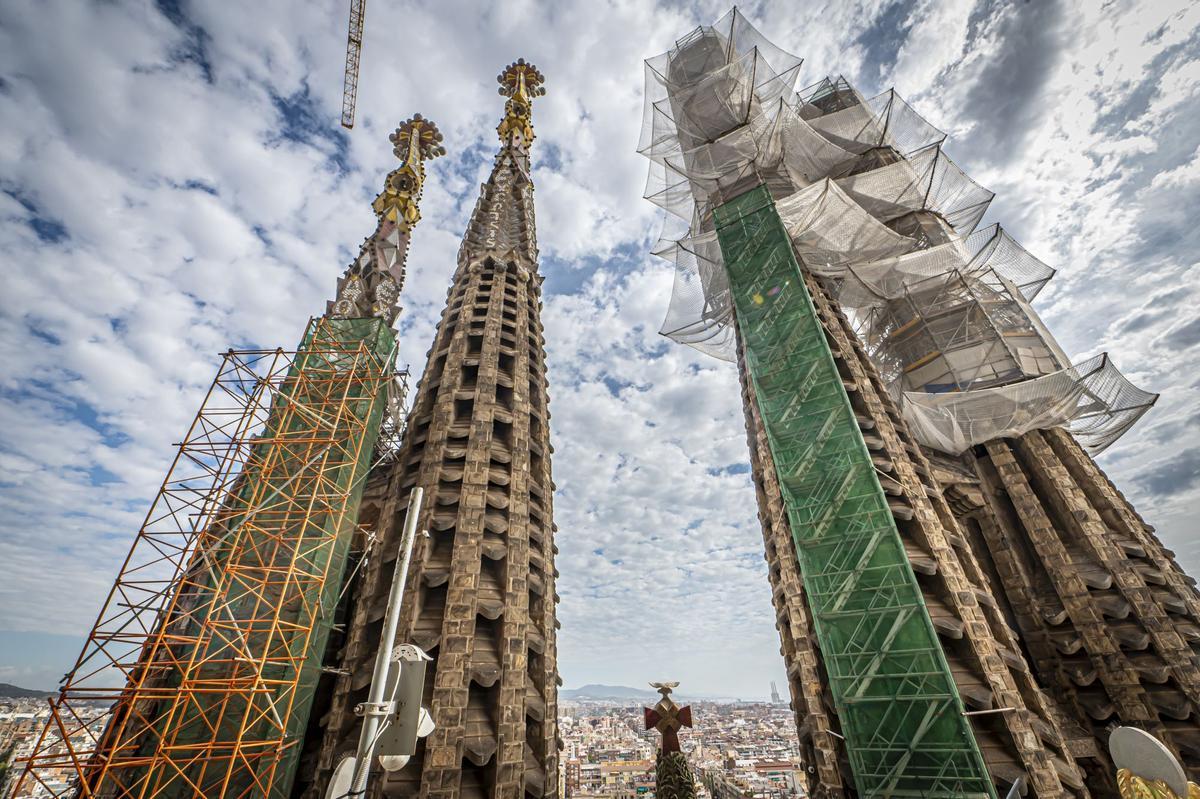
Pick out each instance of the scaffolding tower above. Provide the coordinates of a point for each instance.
(901, 713)
(803, 216)
(209, 643)
(208, 649)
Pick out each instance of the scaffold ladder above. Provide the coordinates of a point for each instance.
(899, 708)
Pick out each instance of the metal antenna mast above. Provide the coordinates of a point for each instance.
(353, 52)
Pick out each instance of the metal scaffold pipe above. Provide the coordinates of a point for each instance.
(377, 710)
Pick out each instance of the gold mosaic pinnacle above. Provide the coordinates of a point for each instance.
(416, 141)
(1132, 786)
(520, 83)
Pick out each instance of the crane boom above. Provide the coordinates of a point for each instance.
(353, 52)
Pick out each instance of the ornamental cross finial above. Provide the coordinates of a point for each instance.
(371, 284)
(672, 776)
(668, 717)
(520, 83)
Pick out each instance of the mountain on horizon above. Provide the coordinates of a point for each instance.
(607, 692)
(9, 691)
(624, 692)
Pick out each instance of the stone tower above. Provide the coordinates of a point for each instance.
(1019, 731)
(906, 675)
(834, 251)
(480, 595)
(1109, 620)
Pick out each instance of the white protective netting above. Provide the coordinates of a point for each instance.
(842, 116)
(925, 181)
(872, 283)
(1092, 399)
(700, 313)
(710, 133)
(958, 331)
(830, 231)
(877, 209)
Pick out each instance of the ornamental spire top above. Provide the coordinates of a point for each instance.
(520, 83)
(416, 141)
(371, 284)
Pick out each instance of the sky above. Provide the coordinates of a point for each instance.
(174, 182)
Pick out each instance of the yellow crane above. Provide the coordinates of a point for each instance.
(353, 52)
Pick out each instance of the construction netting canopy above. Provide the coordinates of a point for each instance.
(1093, 399)
(878, 211)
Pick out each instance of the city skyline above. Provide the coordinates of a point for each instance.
(121, 320)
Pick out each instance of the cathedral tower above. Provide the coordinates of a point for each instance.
(1110, 621)
(480, 595)
(906, 677)
(966, 604)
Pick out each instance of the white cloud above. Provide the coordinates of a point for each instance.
(1180, 177)
(197, 216)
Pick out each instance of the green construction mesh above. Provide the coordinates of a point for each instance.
(900, 712)
(296, 502)
(368, 403)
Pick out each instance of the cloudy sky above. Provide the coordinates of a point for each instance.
(173, 182)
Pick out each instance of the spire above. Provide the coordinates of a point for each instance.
(371, 284)
(502, 224)
(520, 83)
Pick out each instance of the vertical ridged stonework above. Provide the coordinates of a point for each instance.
(480, 596)
(1111, 623)
(816, 721)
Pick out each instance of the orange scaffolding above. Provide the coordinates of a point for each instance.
(208, 648)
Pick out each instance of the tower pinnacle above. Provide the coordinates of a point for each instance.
(502, 225)
(371, 284)
(480, 596)
(416, 141)
(520, 83)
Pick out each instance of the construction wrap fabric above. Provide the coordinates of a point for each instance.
(872, 283)
(903, 720)
(875, 207)
(1093, 398)
(926, 180)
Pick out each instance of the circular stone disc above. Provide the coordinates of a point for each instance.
(1147, 757)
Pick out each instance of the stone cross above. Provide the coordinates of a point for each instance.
(668, 717)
